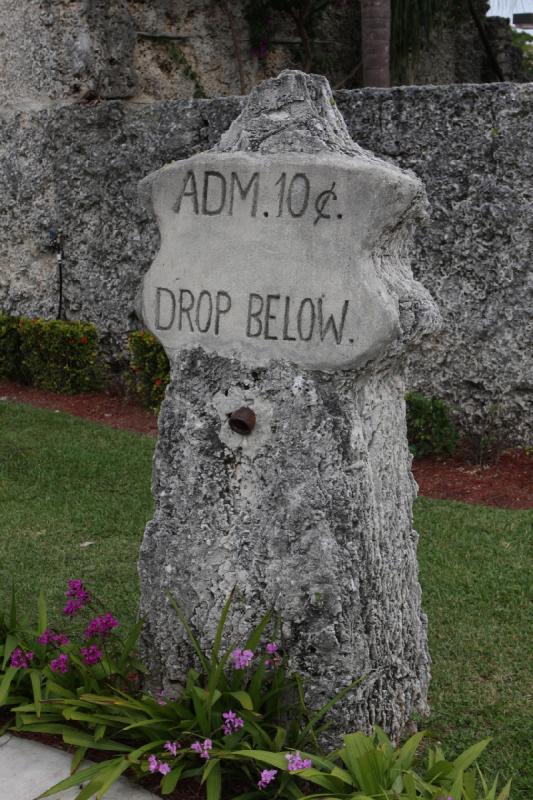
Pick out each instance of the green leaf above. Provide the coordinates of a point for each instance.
(213, 781)
(13, 608)
(467, 758)
(108, 778)
(135, 755)
(192, 638)
(169, 782)
(48, 727)
(43, 616)
(315, 719)
(35, 678)
(255, 636)
(273, 759)
(6, 682)
(99, 732)
(505, 792)
(220, 628)
(329, 782)
(406, 754)
(86, 740)
(77, 758)
(73, 780)
(129, 644)
(11, 644)
(244, 699)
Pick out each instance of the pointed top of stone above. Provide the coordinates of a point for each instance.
(294, 112)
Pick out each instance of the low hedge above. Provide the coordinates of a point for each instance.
(149, 369)
(50, 354)
(10, 358)
(430, 430)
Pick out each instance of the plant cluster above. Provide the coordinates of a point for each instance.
(178, 55)
(524, 41)
(149, 369)
(430, 430)
(240, 720)
(10, 335)
(50, 354)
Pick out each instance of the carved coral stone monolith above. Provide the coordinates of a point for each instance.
(283, 285)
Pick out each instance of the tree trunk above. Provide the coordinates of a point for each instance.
(375, 36)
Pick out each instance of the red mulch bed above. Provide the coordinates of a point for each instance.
(112, 410)
(508, 483)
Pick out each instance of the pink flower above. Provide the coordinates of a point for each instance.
(295, 761)
(72, 607)
(79, 597)
(91, 655)
(152, 763)
(49, 637)
(20, 659)
(60, 664)
(271, 648)
(241, 658)
(172, 747)
(101, 626)
(232, 722)
(164, 768)
(202, 748)
(267, 776)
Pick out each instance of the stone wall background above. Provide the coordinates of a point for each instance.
(56, 52)
(77, 167)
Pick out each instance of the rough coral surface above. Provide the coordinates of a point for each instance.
(311, 515)
(78, 168)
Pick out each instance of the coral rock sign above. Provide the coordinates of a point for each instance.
(282, 290)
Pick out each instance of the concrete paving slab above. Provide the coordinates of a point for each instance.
(28, 768)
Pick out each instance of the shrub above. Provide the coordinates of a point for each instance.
(61, 356)
(150, 369)
(10, 358)
(430, 430)
(50, 354)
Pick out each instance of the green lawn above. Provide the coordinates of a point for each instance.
(65, 482)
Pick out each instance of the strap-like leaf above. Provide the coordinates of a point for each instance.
(192, 638)
(43, 616)
(73, 780)
(214, 781)
(220, 628)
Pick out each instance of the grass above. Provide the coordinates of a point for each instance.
(65, 482)
(476, 574)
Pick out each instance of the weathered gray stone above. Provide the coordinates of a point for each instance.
(269, 257)
(78, 168)
(312, 517)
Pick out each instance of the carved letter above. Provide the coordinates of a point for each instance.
(254, 180)
(286, 322)
(219, 310)
(186, 309)
(192, 193)
(201, 296)
(254, 315)
(269, 316)
(311, 322)
(331, 322)
(158, 323)
(211, 212)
